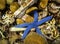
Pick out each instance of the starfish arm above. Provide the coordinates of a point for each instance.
(22, 25)
(27, 31)
(38, 31)
(35, 16)
(44, 20)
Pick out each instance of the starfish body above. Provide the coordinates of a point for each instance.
(34, 24)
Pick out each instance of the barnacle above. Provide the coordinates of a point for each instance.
(8, 18)
(34, 38)
(52, 8)
(50, 30)
(50, 33)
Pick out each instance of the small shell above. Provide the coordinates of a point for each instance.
(43, 3)
(43, 14)
(19, 21)
(14, 29)
(27, 18)
(31, 9)
(14, 6)
(53, 9)
(22, 9)
(53, 5)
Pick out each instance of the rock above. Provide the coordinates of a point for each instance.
(2, 4)
(34, 38)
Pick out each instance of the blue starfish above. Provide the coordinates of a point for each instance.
(34, 24)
